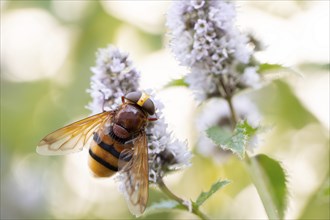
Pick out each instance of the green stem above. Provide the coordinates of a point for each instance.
(168, 192)
(255, 173)
(228, 97)
(232, 110)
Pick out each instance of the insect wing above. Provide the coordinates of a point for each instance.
(135, 175)
(73, 137)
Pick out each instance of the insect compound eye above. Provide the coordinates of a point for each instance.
(133, 96)
(149, 107)
(142, 99)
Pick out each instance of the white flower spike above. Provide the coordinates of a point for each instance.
(205, 39)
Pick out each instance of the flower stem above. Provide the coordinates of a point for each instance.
(228, 97)
(232, 110)
(195, 208)
(255, 174)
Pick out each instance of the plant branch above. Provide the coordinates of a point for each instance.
(255, 174)
(195, 208)
(232, 110)
(228, 97)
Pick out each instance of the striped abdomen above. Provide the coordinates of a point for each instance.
(104, 155)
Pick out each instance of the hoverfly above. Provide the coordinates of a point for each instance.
(118, 143)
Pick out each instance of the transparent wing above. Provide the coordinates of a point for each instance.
(73, 137)
(135, 175)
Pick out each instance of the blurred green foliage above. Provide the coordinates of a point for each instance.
(280, 103)
(319, 203)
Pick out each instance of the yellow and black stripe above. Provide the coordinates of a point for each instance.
(104, 154)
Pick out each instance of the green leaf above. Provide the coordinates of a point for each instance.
(227, 140)
(310, 66)
(235, 141)
(276, 106)
(176, 82)
(267, 67)
(246, 128)
(218, 135)
(214, 188)
(317, 206)
(271, 67)
(270, 180)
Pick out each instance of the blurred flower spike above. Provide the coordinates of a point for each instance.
(114, 76)
(204, 38)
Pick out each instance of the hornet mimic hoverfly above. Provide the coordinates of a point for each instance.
(119, 143)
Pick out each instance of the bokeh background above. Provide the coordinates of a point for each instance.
(47, 49)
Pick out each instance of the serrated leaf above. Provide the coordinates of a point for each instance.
(270, 180)
(227, 140)
(247, 128)
(176, 82)
(218, 135)
(214, 188)
(235, 141)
